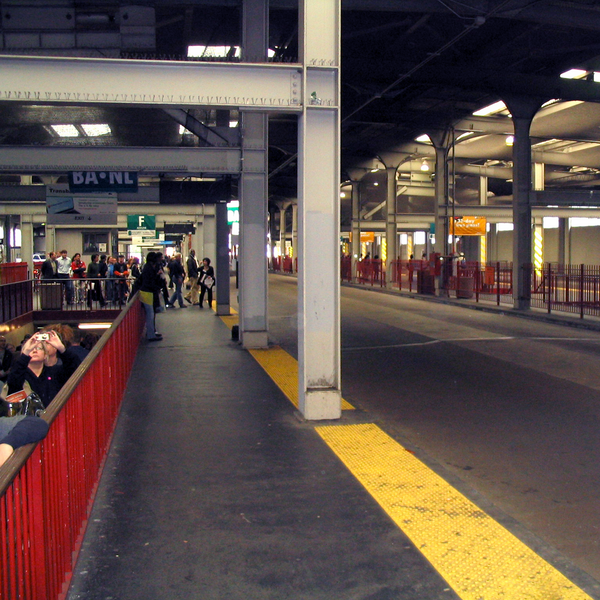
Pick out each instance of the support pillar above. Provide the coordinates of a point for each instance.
(440, 208)
(319, 371)
(27, 241)
(222, 266)
(562, 240)
(282, 233)
(355, 244)
(295, 231)
(522, 110)
(253, 319)
(391, 233)
(483, 190)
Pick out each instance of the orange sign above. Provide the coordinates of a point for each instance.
(468, 226)
(365, 236)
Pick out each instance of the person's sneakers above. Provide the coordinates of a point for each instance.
(156, 339)
(183, 306)
(187, 299)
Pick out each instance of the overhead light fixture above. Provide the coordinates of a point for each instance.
(214, 52)
(510, 140)
(375, 170)
(65, 130)
(424, 165)
(424, 139)
(574, 74)
(96, 129)
(94, 325)
(492, 109)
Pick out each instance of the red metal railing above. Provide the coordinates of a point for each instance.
(46, 491)
(371, 271)
(12, 272)
(16, 299)
(567, 288)
(486, 281)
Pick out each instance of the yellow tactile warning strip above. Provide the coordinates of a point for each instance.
(282, 368)
(229, 320)
(478, 557)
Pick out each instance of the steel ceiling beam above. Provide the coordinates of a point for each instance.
(60, 160)
(93, 81)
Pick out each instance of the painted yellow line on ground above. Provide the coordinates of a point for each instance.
(282, 368)
(478, 557)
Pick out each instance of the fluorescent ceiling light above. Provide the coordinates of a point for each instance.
(425, 139)
(574, 74)
(550, 222)
(214, 51)
(94, 325)
(584, 222)
(545, 143)
(491, 109)
(96, 129)
(464, 135)
(65, 130)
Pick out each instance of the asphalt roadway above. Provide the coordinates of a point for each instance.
(507, 407)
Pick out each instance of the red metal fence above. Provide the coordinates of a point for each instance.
(567, 288)
(46, 491)
(16, 299)
(11, 272)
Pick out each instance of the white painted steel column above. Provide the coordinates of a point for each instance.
(391, 229)
(319, 371)
(282, 237)
(440, 217)
(27, 241)
(253, 320)
(355, 245)
(294, 231)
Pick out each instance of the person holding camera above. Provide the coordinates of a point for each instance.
(38, 364)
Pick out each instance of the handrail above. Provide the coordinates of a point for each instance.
(46, 490)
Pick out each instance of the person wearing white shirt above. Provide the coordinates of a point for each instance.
(63, 271)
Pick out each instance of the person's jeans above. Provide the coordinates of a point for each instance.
(177, 293)
(150, 323)
(68, 285)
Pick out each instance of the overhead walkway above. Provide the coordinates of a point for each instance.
(216, 488)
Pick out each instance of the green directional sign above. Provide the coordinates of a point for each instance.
(141, 225)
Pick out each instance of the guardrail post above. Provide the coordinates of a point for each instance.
(581, 291)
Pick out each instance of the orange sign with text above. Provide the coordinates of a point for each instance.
(468, 226)
(365, 236)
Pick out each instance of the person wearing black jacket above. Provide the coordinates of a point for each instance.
(95, 289)
(32, 366)
(177, 273)
(151, 284)
(206, 281)
(48, 268)
(192, 273)
(6, 358)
